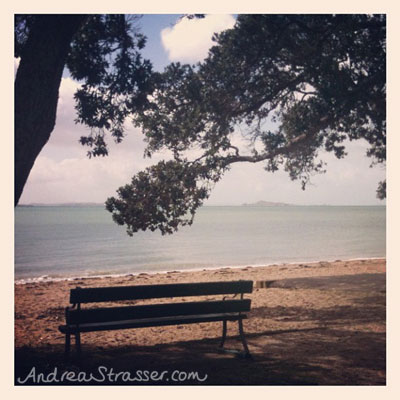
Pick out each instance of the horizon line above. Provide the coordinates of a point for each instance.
(281, 204)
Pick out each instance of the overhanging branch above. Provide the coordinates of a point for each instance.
(266, 155)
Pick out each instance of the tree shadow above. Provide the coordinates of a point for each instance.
(315, 356)
(201, 357)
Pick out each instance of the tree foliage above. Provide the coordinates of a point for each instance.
(106, 57)
(102, 52)
(293, 84)
(162, 197)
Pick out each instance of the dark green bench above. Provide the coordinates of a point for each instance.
(80, 320)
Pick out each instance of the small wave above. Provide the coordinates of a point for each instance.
(92, 275)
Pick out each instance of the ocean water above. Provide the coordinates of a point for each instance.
(60, 242)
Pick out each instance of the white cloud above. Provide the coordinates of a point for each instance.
(67, 90)
(76, 179)
(189, 40)
(64, 140)
(16, 65)
(66, 132)
(63, 173)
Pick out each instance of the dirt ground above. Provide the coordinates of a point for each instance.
(311, 324)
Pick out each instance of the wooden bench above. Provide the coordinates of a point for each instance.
(79, 320)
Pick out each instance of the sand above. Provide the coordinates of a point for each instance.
(318, 323)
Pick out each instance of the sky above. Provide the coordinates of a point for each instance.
(63, 173)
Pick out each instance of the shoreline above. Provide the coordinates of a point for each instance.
(47, 278)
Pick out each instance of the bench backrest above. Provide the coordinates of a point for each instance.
(102, 294)
(90, 295)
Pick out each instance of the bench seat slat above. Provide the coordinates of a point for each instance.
(156, 310)
(91, 295)
(148, 322)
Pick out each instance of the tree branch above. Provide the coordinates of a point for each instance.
(265, 156)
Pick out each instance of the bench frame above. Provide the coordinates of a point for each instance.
(79, 320)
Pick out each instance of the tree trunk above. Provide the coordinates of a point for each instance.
(36, 89)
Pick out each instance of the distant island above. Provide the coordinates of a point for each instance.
(263, 203)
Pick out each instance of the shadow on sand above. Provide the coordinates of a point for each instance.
(329, 354)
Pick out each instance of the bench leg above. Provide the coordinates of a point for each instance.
(243, 339)
(224, 323)
(78, 343)
(67, 343)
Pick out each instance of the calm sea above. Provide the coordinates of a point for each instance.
(58, 242)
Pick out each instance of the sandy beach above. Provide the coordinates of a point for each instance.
(320, 323)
